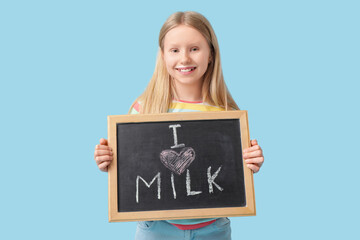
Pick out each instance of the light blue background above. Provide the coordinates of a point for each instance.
(66, 65)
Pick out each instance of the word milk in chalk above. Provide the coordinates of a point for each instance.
(210, 179)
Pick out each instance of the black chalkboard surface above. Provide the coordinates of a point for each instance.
(179, 165)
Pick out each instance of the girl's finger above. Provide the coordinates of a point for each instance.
(103, 141)
(102, 147)
(253, 167)
(253, 142)
(103, 152)
(251, 149)
(102, 159)
(253, 154)
(104, 166)
(259, 161)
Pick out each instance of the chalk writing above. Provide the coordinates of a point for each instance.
(177, 162)
(188, 185)
(189, 192)
(157, 176)
(173, 185)
(211, 179)
(176, 145)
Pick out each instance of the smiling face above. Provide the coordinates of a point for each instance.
(186, 54)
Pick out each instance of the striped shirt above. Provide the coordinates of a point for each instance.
(186, 106)
(183, 106)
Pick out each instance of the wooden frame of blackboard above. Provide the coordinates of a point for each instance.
(116, 216)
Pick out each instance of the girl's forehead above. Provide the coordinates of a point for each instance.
(184, 35)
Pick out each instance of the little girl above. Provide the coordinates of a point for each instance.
(187, 77)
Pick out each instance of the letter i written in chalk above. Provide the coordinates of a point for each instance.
(176, 145)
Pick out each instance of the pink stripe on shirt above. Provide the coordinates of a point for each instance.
(137, 107)
(194, 226)
(188, 101)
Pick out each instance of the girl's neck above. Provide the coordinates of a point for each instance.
(188, 93)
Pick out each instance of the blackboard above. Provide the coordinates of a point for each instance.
(179, 165)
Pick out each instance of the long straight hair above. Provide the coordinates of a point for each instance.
(160, 91)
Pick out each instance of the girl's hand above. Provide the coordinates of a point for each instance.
(103, 155)
(253, 156)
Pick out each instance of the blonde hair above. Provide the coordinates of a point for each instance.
(159, 93)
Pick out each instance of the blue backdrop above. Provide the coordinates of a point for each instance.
(66, 65)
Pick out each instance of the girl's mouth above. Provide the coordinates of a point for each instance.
(186, 69)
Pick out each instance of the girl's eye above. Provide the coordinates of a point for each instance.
(174, 50)
(194, 49)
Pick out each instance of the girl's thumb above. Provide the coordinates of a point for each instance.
(103, 141)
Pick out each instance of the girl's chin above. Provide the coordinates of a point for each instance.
(187, 81)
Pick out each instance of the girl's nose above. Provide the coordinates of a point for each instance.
(185, 58)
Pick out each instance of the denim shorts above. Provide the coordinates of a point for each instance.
(162, 230)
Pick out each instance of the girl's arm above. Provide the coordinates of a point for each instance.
(253, 156)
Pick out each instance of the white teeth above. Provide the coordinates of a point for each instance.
(186, 70)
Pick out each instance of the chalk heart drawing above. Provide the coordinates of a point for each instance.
(177, 162)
